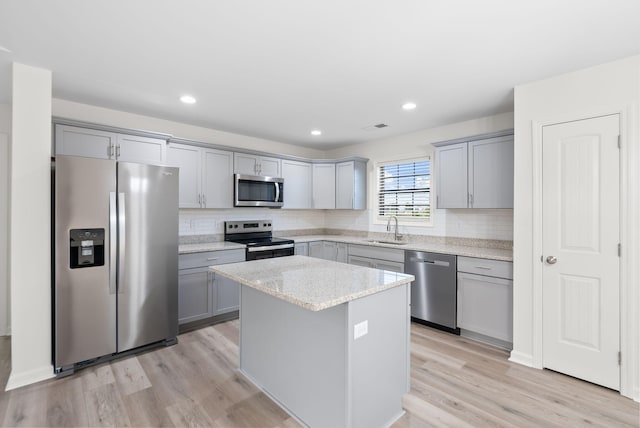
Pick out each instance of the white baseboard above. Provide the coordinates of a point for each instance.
(16, 380)
(521, 358)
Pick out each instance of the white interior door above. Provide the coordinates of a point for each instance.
(581, 233)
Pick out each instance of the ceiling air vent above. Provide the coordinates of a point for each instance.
(374, 127)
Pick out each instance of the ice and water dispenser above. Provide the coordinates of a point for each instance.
(86, 248)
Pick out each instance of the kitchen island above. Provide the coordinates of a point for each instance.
(329, 342)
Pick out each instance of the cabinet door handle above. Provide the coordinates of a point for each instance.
(118, 151)
(213, 258)
(200, 199)
(204, 200)
(483, 267)
(111, 150)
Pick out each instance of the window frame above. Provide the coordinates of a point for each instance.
(406, 221)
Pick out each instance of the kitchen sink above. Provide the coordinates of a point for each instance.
(377, 241)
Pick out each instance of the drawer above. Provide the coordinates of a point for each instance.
(381, 253)
(210, 258)
(487, 267)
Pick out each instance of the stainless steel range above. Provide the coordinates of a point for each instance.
(257, 235)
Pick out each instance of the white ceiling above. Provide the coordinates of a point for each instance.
(277, 69)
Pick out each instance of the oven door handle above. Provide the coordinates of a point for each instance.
(269, 247)
(277, 192)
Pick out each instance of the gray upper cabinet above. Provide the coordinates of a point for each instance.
(187, 158)
(206, 175)
(91, 143)
(491, 173)
(249, 164)
(132, 148)
(324, 186)
(475, 174)
(297, 184)
(217, 178)
(351, 185)
(451, 183)
(94, 143)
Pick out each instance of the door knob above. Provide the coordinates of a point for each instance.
(551, 260)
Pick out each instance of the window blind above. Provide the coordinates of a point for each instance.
(405, 189)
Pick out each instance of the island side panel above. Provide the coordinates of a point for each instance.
(379, 360)
(295, 355)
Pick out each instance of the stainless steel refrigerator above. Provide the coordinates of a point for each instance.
(115, 258)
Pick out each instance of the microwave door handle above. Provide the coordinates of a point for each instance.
(277, 192)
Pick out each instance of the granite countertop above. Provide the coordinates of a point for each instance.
(458, 250)
(210, 246)
(311, 283)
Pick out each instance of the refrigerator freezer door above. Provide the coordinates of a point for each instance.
(148, 271)
(85, 308)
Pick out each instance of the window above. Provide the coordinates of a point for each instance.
(404, 189)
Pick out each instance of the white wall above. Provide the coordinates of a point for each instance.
(104, 116)
(203, 222)
(610, 88)
(30, 268)
(468, 223)
(5, 131)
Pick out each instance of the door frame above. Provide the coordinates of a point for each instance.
(629, 225)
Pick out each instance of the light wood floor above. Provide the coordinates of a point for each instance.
(454, 382)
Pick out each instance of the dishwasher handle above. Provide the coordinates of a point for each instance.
(430, 262)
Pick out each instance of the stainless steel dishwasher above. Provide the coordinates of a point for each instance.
(434, 291)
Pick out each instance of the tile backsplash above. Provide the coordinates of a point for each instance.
(211, 222)
(462, 223)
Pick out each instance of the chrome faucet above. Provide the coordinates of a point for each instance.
(396, 235)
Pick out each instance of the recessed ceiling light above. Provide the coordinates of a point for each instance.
(187, 99)
(316, 132)
(409, 106)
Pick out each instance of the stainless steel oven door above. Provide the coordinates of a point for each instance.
(265, 253)
(258, 191)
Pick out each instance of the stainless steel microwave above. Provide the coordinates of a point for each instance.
(258, 191)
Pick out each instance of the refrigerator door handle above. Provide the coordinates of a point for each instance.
(121, 240)
(113, 239)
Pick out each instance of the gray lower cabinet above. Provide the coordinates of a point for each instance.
(485, 300)
(316, 249)
(301, 249)
(376, 257)
(329, 250)
(194, 295)
(202, 294)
